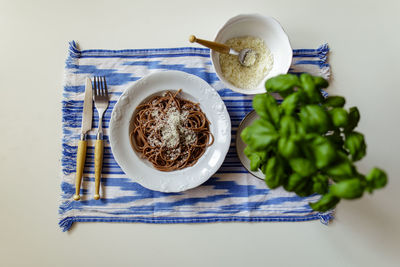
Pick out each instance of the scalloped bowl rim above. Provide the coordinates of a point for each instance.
(140, 170)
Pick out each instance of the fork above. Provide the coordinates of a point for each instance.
(100, 98)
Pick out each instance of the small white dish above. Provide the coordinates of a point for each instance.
(266, 28)
(240, 145)
(142, 171)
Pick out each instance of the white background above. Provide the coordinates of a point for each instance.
(364, 37)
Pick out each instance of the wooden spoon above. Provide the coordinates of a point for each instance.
(246, 56)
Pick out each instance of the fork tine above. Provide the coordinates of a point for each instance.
(94, 85)
(105, 86)
(98, 85)
(102, 85)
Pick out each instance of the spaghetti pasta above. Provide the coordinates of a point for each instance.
(171, 132)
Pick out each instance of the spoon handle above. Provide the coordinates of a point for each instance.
(221, 48)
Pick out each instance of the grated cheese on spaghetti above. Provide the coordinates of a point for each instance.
(171, 127)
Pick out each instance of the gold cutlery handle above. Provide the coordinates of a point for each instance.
(98, 162)
(80, 164)
(221, 48)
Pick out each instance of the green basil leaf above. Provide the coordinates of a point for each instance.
(255, 162)
(326, 202)
(263, 167)
(321, 183)
(306, 148)
(342, 155)
(335, 138)
(320, 83)
(376, 178)
(355, 144)
(267, 108)
(315, 118)
(283, 83)
(287, 147)
(310, 137)
(307, 82)
(256, 157)
(295, 182)
(348, 189)
(274, 172)
(339, 117)
(301, 128)
(354, 118)
(248, 151)
(290, 103)
(288, 125)
(324, 152)
(343, 169)
(302, 166)
(260, 135)
(313, 94)
(334, 101)
(306, 190)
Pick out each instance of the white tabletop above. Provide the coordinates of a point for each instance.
(364, 39)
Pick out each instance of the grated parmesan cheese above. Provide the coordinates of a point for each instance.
(171, 127)
(246, 77)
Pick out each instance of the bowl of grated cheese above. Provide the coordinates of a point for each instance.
(267, 38)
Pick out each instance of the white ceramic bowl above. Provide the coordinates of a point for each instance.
(141, 170)
(266, 28)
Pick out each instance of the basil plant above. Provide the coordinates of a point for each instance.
(308, 144)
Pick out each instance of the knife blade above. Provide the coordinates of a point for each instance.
(87, 108)
(87, 115)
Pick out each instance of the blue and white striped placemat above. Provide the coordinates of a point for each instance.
(232, 194)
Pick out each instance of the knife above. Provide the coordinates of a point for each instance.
(82, 145)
